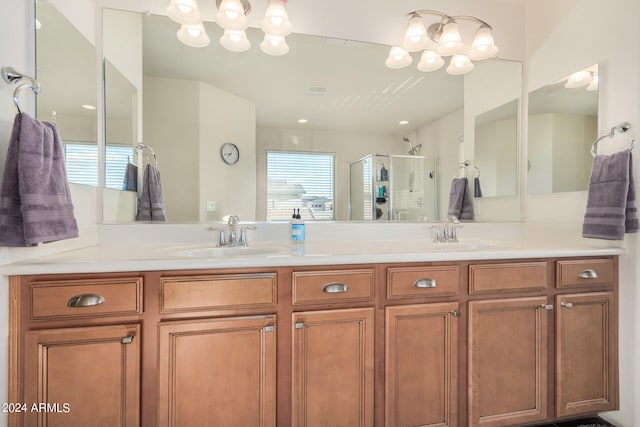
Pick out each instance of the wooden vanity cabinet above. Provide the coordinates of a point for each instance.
(470, 343)
(545, 356)
(75, 346)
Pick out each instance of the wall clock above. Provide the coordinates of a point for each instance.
(230, 153)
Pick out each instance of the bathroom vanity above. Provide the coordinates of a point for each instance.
(508, 338)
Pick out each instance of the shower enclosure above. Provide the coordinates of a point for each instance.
(393, 187)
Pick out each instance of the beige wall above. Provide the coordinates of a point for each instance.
(561, 39)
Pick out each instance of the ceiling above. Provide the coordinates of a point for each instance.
(359, 93)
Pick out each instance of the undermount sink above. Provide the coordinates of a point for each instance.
(207, 251)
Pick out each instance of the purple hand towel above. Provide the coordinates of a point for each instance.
(151, 201)
(35, 200)
(460, 200)
(611, 200)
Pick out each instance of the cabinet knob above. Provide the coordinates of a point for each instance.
(299, 325)
(425, 283)
(566, 304)
(588, 274)
(456, 313)
(127, 340)
(85, 300)
(547, 307)
(335, 288)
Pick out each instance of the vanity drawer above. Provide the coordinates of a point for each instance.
(63, 299)
(219, 292)
(584, 272)
(508, 277)
(417, 282)
(333, 286)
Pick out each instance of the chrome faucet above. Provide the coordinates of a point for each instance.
(447, 232)
(233, 239)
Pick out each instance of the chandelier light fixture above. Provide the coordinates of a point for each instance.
(232, 17)
(441, 39)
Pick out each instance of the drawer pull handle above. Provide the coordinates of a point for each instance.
(335, 288)
(127, 340)
(425, 283)
(566, 304)
(85, 300)
(547, 307)
(588, 274)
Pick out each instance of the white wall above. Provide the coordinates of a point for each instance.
(561, 37)
(225, 117)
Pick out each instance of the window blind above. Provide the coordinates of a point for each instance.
(81, 161)
(300, 180)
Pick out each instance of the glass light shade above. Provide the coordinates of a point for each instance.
(274, 45)
(450, 42)
(184, 12)
(398, 58)
(415, 37)
(483, 46)
(230, 16)
(193, 35)
(578, 79)
(276, 20)
(460, 64)
(594, 83)
(235, 41)
(430, 61)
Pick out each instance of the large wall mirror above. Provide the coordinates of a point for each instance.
(185, 103)
(563, 123)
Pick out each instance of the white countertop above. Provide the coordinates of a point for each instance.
(114, 257)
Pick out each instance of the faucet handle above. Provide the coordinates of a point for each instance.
(222, 241)
(437, 235)
(243, 235)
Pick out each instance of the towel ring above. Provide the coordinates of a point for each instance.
(141, 148)
(11, 76)
(466, 170)
(621, 127)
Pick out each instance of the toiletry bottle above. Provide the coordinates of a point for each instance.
(297, 228)
(384, 174)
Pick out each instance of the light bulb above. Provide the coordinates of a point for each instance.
(193, 35)
(450, 41)
(415, 37)
(430, 61)
(398, 58)
(235, 41)
(483, 46)
(184, 12)
(276, 20)
(460, 64)
(274, 45)
(230, 15)
(578, 79)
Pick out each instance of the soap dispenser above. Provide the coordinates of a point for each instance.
(297, 228)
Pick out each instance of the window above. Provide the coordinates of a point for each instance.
(81, 160)
(298, 180)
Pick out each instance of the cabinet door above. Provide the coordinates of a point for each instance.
(218, 372)
(333, 368)
(421, 365)
(83, 376)
(508, 361)
(586, 360)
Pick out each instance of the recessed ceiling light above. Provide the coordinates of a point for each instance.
(303, 121)
(88, 107)
(403, 122)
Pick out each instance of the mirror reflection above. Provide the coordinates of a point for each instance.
(496, 150)
(563, 123)
(66, 70)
